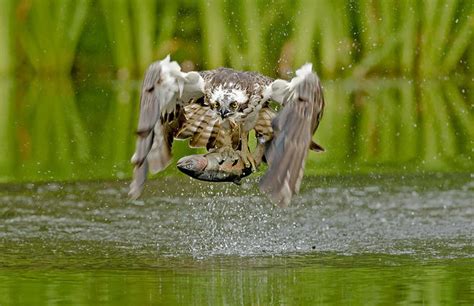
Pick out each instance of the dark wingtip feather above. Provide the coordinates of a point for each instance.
(139, 178)
(316, 147)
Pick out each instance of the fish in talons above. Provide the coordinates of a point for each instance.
(217, 166)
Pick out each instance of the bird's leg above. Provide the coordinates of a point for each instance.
(245, 153)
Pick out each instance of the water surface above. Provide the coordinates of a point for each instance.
(345, 240)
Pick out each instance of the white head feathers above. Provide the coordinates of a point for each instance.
(234, 94)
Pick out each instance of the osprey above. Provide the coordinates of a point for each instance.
(216, 109)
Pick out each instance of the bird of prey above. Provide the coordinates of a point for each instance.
(216, 109)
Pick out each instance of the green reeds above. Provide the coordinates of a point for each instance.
(365, 37)
(378, 123)
(335, 42)
(7, 97)
(50, 31)
(428, 38)
(458, 45)
(446, 31)
(213, 31)
(252, 27)
(6, 36)
(387, 39)
(305, 31)
(144, 17)
(371, 36)
(119, 29)
(137, 33)
(250, 38)
(322, 31)
(407, 36)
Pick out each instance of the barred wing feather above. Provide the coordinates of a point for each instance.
(293, 128)
(165, 91)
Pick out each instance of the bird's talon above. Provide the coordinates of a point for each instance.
(248, 160)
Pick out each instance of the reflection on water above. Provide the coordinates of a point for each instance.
(398, 124)
(50, 140)
(116, 130)
(55, 134)
(291, 281)
(7, 129)
(57, 131)
(346, 240)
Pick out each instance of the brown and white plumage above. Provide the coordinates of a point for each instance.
(303, 103)
(217, 109)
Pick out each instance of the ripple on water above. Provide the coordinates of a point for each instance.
(387, 215)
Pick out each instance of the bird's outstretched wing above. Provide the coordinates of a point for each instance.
(165, 90)
(303, 103)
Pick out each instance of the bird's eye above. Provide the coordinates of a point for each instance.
(233, 105)
(215, 105)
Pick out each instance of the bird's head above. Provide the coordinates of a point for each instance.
(228, 102)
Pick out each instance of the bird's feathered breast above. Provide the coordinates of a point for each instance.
(205, 128)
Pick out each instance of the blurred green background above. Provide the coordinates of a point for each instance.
(398, 81)
(397, 77)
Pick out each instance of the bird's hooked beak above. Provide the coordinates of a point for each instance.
(224, 113)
